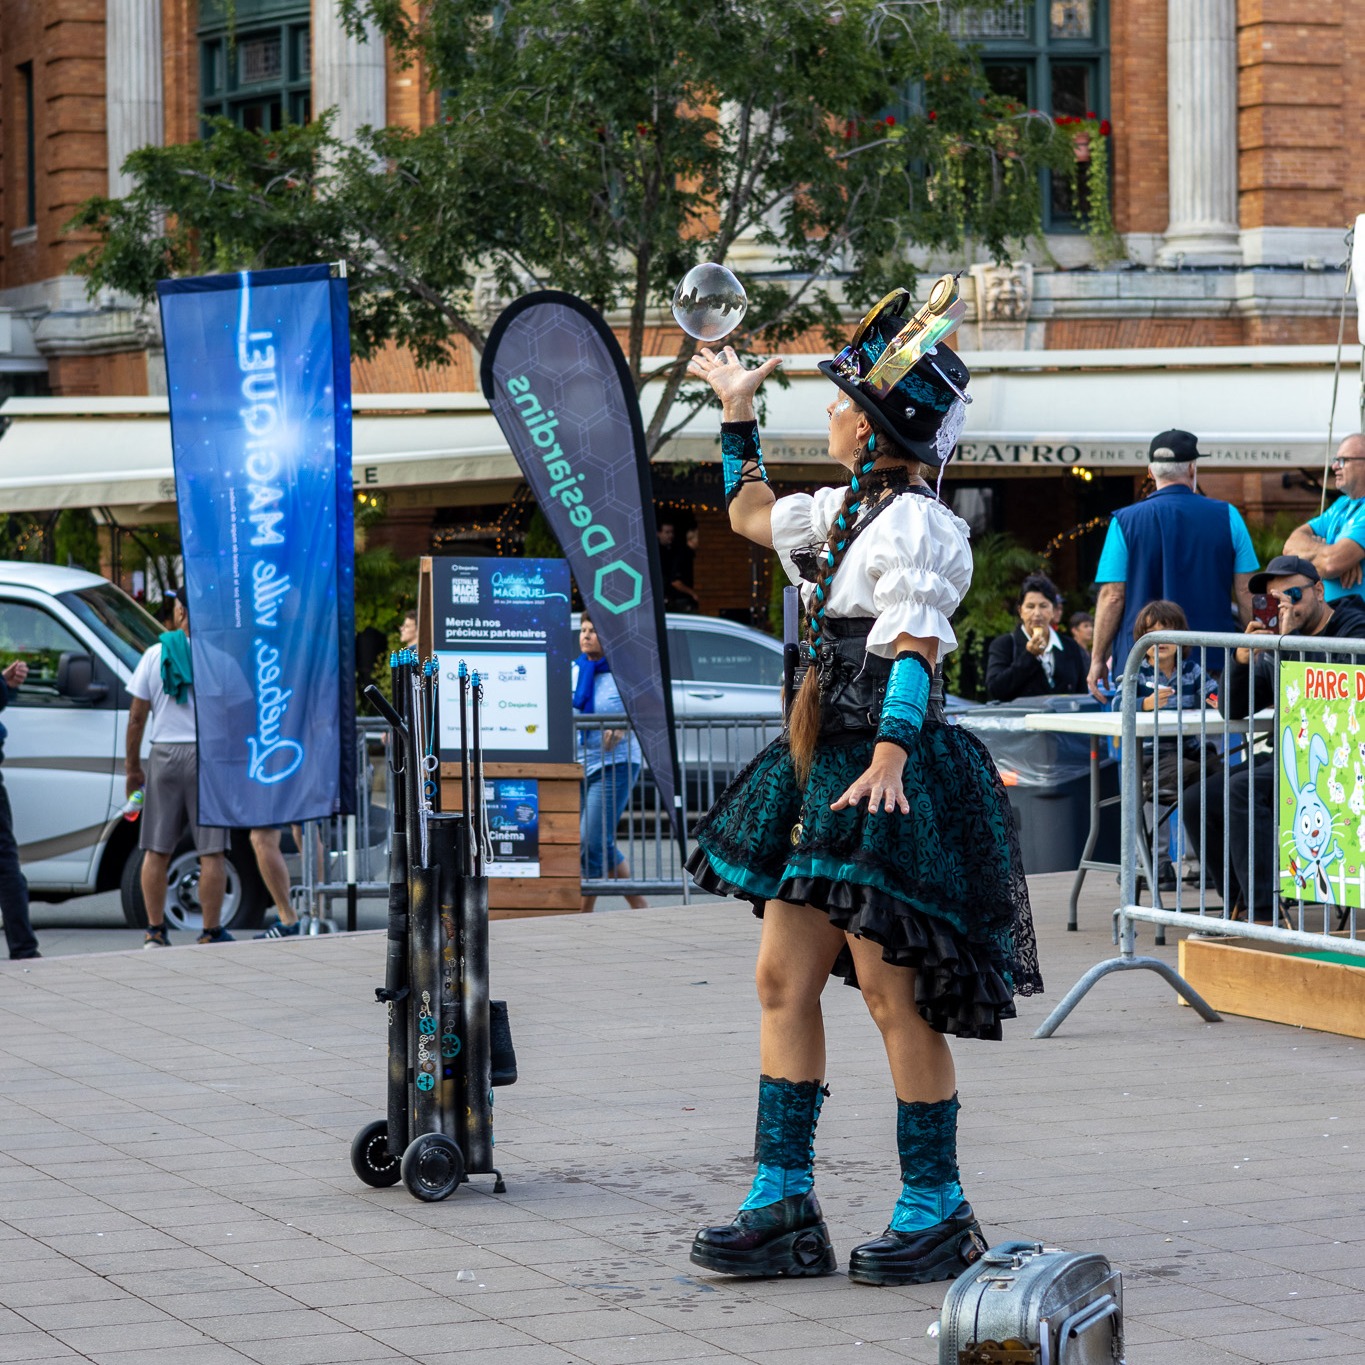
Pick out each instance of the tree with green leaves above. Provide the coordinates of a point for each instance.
(604, 147)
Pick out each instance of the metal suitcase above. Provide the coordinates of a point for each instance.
(1026, 1304)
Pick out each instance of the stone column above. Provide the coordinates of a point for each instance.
(1201, 67)
(347, 74)
(135, 106)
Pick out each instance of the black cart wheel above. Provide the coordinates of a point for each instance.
(433, 1167)
(371, 1159)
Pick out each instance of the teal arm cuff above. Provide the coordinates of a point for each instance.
(741, 457)
(906, 700)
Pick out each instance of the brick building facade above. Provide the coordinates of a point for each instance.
(1234, 181)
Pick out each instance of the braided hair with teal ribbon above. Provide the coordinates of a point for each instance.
(804, 720)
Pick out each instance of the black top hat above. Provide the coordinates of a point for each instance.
(923, 412)
(1173, 447)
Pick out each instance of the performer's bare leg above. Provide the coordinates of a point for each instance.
(795, 954)
(779, 1229)
(933, 1233)
(920, 1058)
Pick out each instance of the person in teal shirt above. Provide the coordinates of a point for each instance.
(1173, 546)
(1334, 542)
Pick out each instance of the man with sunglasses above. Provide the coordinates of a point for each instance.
(1296, 588)
(1335, 541)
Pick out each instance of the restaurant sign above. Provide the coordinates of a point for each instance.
(1014, 452)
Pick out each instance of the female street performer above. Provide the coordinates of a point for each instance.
(874, 840)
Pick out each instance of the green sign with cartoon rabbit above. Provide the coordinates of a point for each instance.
(1322, 783)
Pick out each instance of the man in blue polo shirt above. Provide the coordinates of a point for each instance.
(1175, 545)
(1334, 543)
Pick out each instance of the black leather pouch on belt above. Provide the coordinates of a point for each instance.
(853, 683)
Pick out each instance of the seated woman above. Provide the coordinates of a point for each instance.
(1034, 661)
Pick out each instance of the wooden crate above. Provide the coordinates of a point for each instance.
(557, 890)
(1281, 987)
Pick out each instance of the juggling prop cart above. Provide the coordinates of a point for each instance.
(441, 1025)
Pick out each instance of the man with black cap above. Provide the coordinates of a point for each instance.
(1173, 545)
(1335, 541)
(1296, 588)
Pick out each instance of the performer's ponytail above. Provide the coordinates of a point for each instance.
(803, 720)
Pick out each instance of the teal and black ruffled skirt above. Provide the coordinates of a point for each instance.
(941, 889)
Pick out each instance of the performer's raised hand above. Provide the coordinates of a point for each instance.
(730, 380)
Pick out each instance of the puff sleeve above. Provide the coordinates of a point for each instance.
(802, 521)
(921, 568)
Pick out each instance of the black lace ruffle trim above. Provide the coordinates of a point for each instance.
(958, 989)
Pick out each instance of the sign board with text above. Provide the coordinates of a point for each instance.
(513, 809)
(507, 620)
(1321, 752)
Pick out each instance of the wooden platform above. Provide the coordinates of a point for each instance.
(1281, 987)
(557, 890)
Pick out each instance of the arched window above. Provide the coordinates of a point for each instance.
(256, 70)
(1051, 55)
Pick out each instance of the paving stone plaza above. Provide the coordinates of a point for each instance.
(175, 1183)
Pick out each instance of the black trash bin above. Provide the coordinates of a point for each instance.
(1048, 779)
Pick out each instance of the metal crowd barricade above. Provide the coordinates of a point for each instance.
(347, 856)
(711, 751)
(1232, 886)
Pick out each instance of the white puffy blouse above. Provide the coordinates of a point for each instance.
(910, 569)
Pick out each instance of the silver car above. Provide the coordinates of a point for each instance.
(719, 668)
(727, 698)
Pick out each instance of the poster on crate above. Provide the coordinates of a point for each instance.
(513, 807)
(507, 620)
(1321, 750)
(258, 370)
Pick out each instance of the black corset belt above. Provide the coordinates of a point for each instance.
(853, 682)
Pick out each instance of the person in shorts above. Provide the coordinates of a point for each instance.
(162, 687)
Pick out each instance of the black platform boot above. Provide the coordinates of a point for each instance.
(934, 1234)
(779, 1229)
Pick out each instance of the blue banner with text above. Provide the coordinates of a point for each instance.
(258, 372)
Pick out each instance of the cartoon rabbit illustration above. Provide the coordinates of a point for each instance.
(1341, 755)
(1352, 723)
(1301, 739)
(1329, 722)
(1292, 694)
(1314, 847)
(1358, 794)
(1336, 793)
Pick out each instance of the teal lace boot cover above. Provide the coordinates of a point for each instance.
(933, 1234)
(784, 1140)
(779, 1229)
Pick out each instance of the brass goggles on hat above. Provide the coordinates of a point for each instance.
(935, 322)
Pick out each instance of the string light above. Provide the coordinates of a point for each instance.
(1081, 472)
(504, 530)
(1075, 533)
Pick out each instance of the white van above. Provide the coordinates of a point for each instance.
(63, 758)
